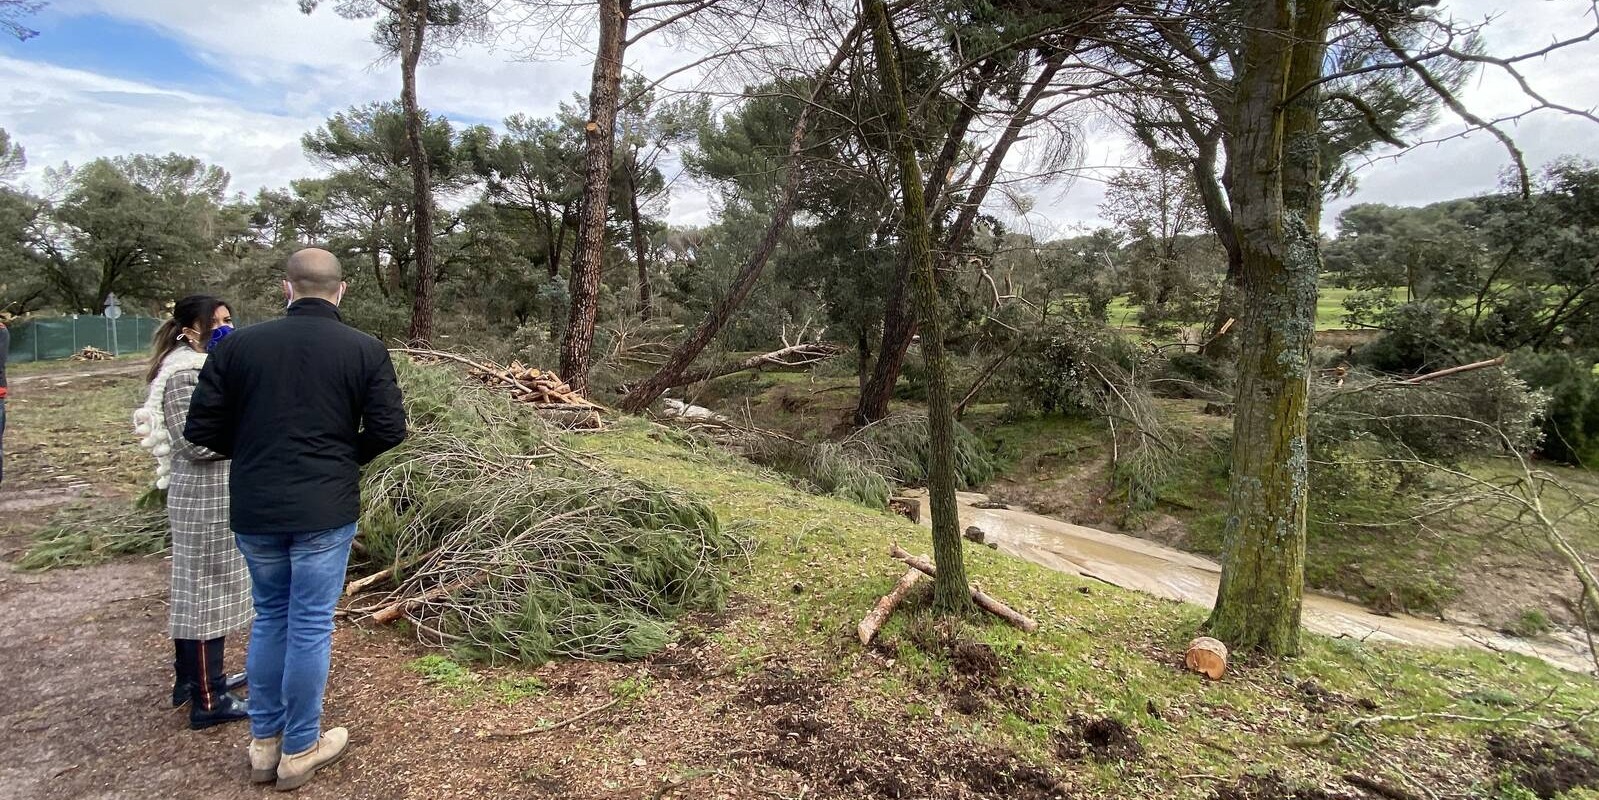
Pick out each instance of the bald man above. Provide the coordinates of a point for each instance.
(299, 404)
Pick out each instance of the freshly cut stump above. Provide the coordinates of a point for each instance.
(1207, 657)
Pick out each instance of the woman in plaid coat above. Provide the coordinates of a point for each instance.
(210, 583)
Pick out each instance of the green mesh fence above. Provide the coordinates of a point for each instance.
(60, 337)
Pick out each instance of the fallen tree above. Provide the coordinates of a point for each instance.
(791, 357)
(493, 539)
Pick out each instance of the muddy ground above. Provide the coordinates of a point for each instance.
(84, 713)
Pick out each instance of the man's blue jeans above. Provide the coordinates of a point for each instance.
(297, 579)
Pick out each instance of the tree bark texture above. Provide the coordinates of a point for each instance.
(1275, 197)
(588, 254)
(899, 325)
(668, 375)
(413, 38)
(950, 592)
(641, 246)
(1213, 195)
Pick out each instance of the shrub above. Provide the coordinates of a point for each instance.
(1440, 421)
(829, 468)
(1193, 375)
(901, 444)
(1067, 370)
(1418, 335)
(1571, 419)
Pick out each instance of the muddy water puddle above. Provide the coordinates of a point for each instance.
(1133, 563)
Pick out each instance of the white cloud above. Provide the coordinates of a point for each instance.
(61, 114)
(291, 71)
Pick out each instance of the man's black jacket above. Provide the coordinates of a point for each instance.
(299, 404)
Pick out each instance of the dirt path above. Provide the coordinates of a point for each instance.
(63, 377)
(1134, 563)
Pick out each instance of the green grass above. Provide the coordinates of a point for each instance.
(67, 365)
(467, 686)
(1330, 309)
(1102, 651)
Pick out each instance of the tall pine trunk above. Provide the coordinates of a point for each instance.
(413, 37)
(641, 247)
(642, 395)
(1275, 196)
(950, 592)
(588, 255)
(899, 327)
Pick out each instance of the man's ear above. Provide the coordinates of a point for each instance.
(288, 291)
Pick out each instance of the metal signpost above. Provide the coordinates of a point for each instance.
(113, 312)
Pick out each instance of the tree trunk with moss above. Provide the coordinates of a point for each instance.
(951, 594)
(1275, 196)
(899, 327)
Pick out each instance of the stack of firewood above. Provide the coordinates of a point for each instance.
(91, 353)
(539, 388)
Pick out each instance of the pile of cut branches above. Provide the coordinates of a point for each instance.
(541, 389)
(494, 540)
(89, 533)
(91, 353)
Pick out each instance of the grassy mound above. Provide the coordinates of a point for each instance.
(511, 547)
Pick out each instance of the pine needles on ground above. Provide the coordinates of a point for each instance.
(507, 548)
(85, 534)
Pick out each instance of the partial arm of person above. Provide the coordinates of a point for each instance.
(175, 404)
(208, 422)
(383, 414)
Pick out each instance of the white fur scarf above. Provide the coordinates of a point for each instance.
(148, 420)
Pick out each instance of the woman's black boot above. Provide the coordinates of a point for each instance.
(183, 666)
(211, 702)
(182, 673)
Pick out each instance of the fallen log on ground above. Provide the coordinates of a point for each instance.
(1380, 788)
(983, 601)
(553, 726)
(791, 357)
(360, 584)
(885, 606)
(1444, 373)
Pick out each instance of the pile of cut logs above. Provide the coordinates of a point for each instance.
(91, 353)
(542, 390)
(531, 385)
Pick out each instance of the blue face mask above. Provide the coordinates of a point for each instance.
(217, 335)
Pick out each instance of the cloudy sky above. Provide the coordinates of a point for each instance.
(238, 82)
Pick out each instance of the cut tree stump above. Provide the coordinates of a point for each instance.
(885, 606)
(1207, 657)
(983, 601)
(907, 507)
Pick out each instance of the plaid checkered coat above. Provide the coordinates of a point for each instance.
(210, 583)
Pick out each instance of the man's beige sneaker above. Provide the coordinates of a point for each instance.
(264, 757)
(297, 769)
